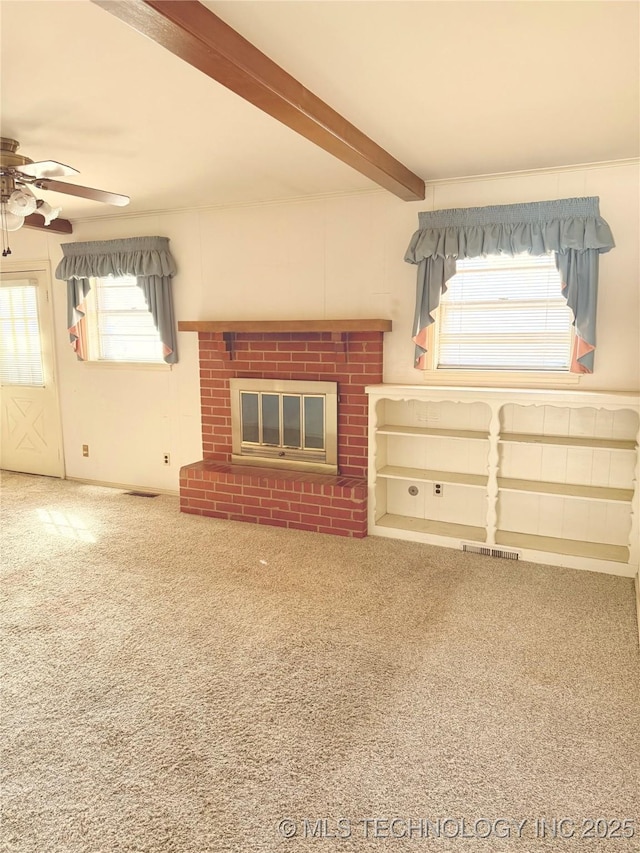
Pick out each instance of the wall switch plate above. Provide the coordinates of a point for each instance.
(85, 449)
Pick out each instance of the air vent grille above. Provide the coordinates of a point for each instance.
(142, 494)
(488, 551)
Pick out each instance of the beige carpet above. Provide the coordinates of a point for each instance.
(180, 685)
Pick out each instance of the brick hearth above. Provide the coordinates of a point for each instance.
(307, 501)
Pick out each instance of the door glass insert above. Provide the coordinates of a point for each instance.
(20, 346)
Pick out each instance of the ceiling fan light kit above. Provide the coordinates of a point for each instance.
(22, 202)
(19, 173)
(49, 213)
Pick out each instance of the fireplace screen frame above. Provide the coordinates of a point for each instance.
(322, 460)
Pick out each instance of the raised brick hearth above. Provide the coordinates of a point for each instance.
(307, 501)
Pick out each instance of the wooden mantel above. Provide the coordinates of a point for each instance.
(284, 326)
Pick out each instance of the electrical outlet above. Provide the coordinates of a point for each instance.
(167, 459)
(438, 489)
(85, 449)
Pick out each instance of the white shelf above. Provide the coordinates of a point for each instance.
(395, 472)
(432, 432)
(515, 429)
(553, 545)
(567, 441)
(436, 528)
(569, 490)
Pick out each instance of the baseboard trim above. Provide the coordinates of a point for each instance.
(133, 487)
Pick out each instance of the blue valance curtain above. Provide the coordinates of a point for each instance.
(147, 258)
(572, 228)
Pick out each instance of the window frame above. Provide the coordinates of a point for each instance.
(435, 375)
(90, 320)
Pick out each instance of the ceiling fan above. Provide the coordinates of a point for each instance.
(17, 201)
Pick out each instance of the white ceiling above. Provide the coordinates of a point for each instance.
(448, 88)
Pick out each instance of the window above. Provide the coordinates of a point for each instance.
(504, 313)
(20, 347)
(119, 326)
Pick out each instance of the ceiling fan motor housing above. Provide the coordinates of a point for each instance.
(9, 161)
(8, 157)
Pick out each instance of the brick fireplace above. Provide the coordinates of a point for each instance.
(348, 352)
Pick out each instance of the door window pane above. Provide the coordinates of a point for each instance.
(270, 419)
(20, 347)
(314, 422)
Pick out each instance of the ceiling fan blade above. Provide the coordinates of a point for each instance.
(47, 169)
(84, 192)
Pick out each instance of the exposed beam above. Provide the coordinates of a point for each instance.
(60, 226)
(198, 36)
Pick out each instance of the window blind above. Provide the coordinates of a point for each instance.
(121, 327)
(505, 313)
(20, 346)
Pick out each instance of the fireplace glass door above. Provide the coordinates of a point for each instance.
(290, 426)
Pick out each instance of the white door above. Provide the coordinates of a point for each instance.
(30, 433)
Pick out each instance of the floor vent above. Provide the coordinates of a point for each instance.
(142, 494)
(488, 551)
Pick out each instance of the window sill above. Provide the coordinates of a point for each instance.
(129, 365)
(500, 379)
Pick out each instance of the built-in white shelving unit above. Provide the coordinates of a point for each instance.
(551, 475)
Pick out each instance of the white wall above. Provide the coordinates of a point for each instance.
(339, 257)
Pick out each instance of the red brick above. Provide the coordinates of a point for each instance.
(365, 336)
(274, 503)
(306, 356)
(245, 500)
(320, 500)
(229, 489)
(201, 504)
(344, 503)
(356, 441)
(315, 520)
(334, 531)
(288, 516)
(256, 492)
(191, 493)
(298, 525)
(292, 346)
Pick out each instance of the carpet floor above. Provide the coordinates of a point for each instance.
(175, 684)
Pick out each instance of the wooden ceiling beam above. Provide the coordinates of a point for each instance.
(36, 220)
(198, 36)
